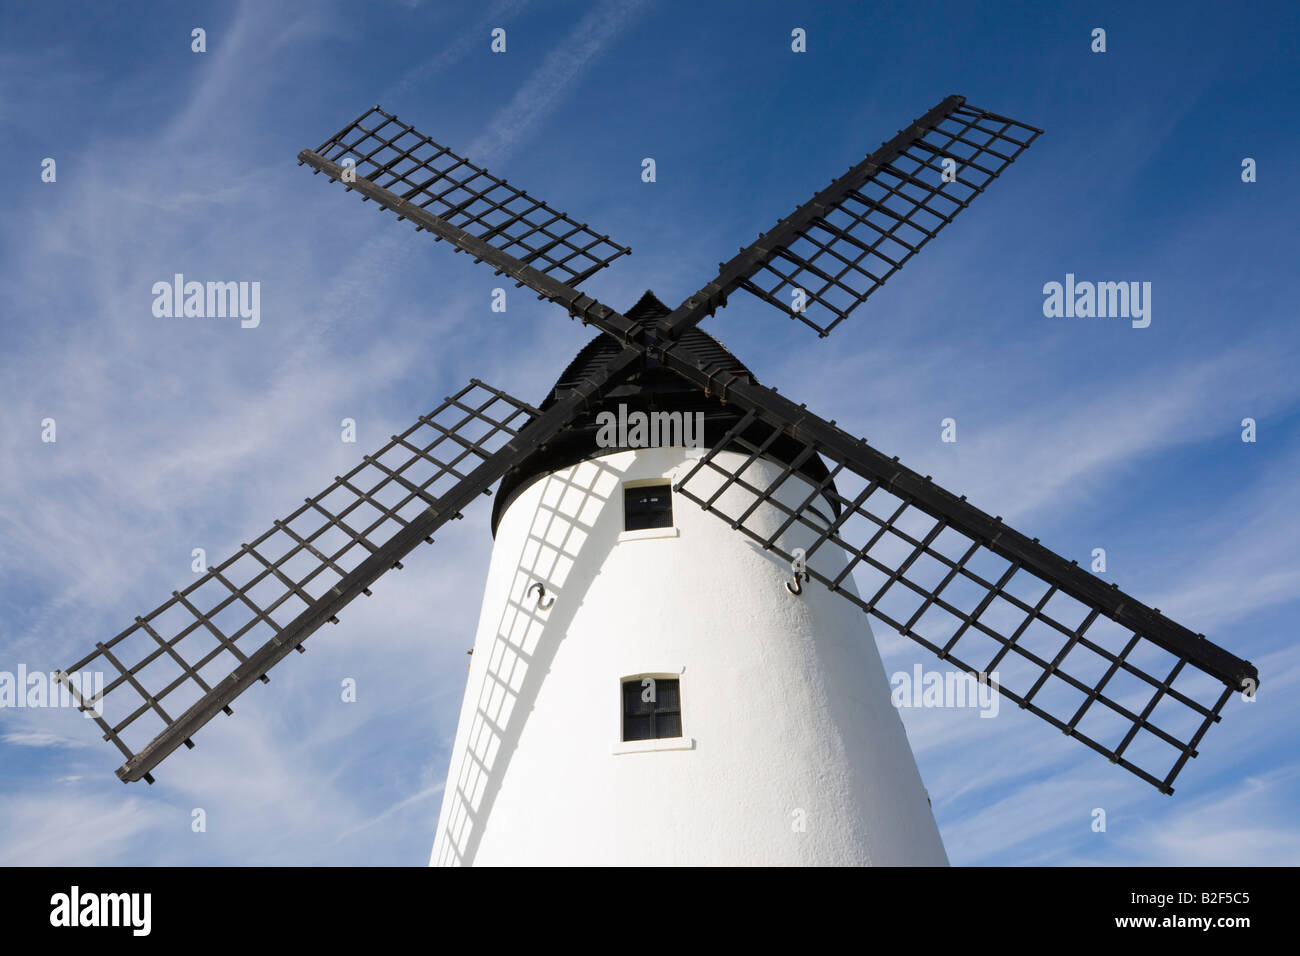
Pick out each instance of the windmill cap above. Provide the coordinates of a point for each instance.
(651, 388)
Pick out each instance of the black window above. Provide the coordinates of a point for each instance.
(647, 506)
(652, 707)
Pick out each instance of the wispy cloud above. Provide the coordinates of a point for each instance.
(388, 812)
(69, 830)
(555, 79)
(39, 739)
(462, 43)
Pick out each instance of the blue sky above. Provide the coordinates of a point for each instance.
(175, 434)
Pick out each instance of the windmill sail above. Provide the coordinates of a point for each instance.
(409, 170)
(827, 257)
(1089, 659)
(178, 666)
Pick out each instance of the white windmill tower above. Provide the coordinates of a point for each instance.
(651, 684)
(645, 688)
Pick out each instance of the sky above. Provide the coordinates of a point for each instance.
(179, 433)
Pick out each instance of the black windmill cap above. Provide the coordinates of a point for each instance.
(650, 388)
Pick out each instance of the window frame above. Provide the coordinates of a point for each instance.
(664, 531)
(653, 744)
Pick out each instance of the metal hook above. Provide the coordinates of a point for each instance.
(541, 594)
(797, 587)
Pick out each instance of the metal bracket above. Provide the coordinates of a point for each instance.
(540, 588)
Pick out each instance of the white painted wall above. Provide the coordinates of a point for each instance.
(785, 705)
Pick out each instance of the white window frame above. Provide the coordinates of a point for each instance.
(643, 534)
(654, 744)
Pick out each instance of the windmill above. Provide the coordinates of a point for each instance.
(670, 664)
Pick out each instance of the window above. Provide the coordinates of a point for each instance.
(647, 506)
(652, 708)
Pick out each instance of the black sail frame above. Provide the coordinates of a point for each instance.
(410, 166)
(953, 578)
(577, 304)
(190, 657)
(843, 244)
